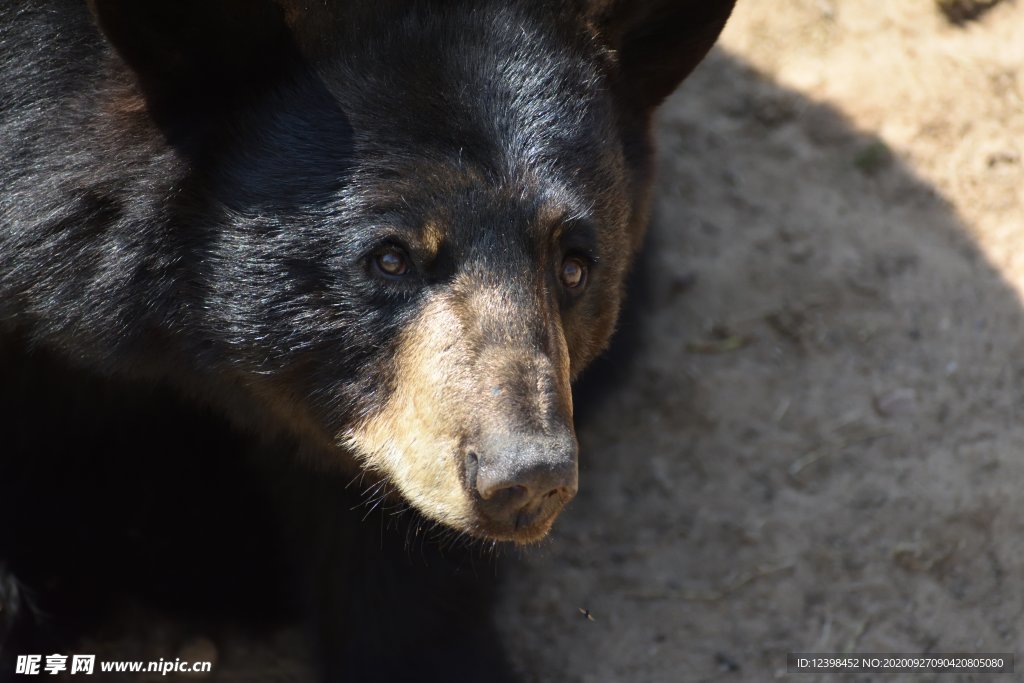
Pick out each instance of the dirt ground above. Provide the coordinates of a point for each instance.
(819, 445)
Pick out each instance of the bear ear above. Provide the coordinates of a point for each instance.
(183, 49)
(659, 42)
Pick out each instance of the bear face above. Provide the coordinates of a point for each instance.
(472, 260)
(397, 231)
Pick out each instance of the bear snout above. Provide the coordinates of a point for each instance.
(521, 481)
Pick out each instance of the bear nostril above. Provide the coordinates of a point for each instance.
(504, 489)
(499, 493)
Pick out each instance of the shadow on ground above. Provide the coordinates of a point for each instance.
(810, 439)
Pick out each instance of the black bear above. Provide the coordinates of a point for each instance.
(379, 239)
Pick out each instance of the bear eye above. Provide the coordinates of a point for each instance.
(392, 261)
(574, 272)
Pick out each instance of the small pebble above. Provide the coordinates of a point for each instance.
(726, 663)
(896, 403)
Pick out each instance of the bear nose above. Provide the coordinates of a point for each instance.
(524, 478)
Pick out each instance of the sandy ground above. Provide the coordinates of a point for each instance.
(814, 443)
(818, 446)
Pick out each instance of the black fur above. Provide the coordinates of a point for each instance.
(190, 195)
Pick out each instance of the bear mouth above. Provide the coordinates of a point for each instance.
(529, 524)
